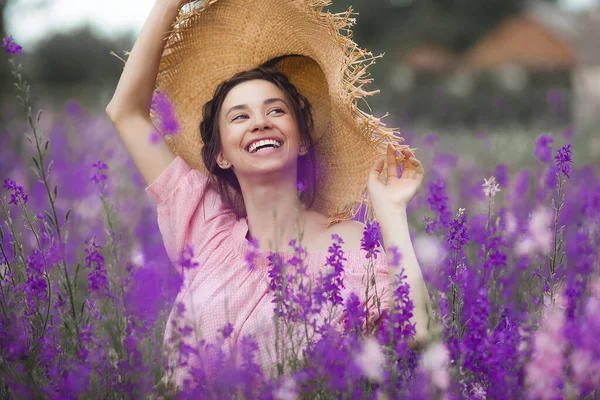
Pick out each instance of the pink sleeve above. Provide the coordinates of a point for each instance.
(189, 210)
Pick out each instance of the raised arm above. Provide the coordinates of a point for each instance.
(129, 108)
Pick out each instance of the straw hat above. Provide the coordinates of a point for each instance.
(216, 39)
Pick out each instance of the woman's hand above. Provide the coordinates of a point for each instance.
(396, 192)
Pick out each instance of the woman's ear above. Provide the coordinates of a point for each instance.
(303, 150)
(222, 162)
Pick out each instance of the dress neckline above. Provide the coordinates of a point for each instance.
(240, 231)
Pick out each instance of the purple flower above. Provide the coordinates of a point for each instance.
(354, 314)
(543, 149)
(301, 187)
(97, 276)
(501, 174)
(328, 286)
(251, 253)
(278, 285)
(476, 341)
(431, 139)
(186, 260)
(396, 256)
(403, 309)
(370, 239)
(17, 192)
(36, 286)
(438, 202)
(11, 47)
(563, 158)
(458, 235)
(164, 110)
(522, 183)
(227, 330)
(99, 176)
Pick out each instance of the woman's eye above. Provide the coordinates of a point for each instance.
(237, 116)
(279, 110)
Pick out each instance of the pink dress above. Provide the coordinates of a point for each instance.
(222, 288)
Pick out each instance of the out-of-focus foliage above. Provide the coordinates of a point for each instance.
(78, 57)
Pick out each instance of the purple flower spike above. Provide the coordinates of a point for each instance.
(11, 47)
(251, 254)
(396, 256)
(370, 240)
(97, 275)
(99, 176)
(458, 236)
(17, 192)
(165, 112)
(543, 149)
(563, 158)
(227, 330)
(187, 258)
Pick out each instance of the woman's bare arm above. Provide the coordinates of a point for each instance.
(129, 108)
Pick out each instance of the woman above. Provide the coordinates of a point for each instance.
(238, 178)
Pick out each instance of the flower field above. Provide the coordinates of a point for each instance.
(506, 229)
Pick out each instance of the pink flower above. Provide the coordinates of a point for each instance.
(490, 187)
(544, 371)
(371, 360)
(538, 239)
(287, 391)
(435, 362)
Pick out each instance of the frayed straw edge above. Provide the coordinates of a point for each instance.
(357, 61)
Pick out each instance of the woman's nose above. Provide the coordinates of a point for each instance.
(260, 123)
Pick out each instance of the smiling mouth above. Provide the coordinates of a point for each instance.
(256, 147)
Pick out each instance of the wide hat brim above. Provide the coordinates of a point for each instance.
(214, 40)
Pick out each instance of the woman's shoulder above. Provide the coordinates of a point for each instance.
(351, 233)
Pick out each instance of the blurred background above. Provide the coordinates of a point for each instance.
(452, 66)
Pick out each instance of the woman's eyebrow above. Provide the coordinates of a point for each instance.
(244, 106)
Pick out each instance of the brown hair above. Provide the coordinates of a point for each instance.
(225, 179)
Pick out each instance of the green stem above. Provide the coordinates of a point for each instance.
(557, 209)
(24, 88)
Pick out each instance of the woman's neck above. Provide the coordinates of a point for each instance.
(275, 214)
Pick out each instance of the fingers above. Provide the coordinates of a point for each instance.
(376, 169)
(412, 166)
(392, 169)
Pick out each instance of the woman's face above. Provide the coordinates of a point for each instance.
(256, 111)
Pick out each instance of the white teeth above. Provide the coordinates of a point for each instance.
(253, 146)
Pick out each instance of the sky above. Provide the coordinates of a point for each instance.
(108, 17)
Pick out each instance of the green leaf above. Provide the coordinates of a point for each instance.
(48, 228)
(49, 168)
(35, 161)
(1, 234)
(46, 146)
(39, 115)
(36, 173)
(67, 216)
(76, 273)
(50, 218)
(55, 191)
(28, 137)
